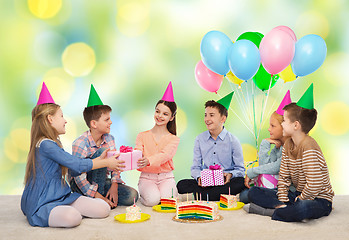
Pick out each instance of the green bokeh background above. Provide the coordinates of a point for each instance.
(142, 45)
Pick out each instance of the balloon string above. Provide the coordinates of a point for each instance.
(239, 92)
(254, 118)
(265, 105)
(248, 105)
(237, 116)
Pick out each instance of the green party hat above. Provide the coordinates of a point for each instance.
(307, 100)
(93, 99)
(225, 101)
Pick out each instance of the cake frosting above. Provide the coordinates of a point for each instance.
(228, 201)
(197, 209)
(133, 213)
(168, 203)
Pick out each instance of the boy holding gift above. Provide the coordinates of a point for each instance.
(215, 147)
(302, 165)
(91, 144)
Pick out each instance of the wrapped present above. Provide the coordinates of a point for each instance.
(267, 181)
(212, 176)
(129, 155)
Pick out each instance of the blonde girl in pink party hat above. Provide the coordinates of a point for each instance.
(47, 199)
(269, 157)
(159, 145)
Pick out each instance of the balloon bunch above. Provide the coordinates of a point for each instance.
(264, 59)
(259, 57)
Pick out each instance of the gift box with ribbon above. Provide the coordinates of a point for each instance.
(267, 181)
(212, 176)
(129, 155)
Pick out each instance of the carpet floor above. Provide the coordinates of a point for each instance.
(235, 225)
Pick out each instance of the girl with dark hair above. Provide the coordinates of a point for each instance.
(159, 145)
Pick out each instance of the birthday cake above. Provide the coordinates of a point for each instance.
(197, 209)
(228, 201)
(168, 203)
(133, 213)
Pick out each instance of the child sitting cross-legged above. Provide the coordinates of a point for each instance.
(97, 183)
(216, 146)
(302, 165)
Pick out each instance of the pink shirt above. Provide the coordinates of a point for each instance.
(159, 153)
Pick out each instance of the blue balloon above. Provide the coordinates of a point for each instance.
(244, 59)
(310, 54)
(214, 50)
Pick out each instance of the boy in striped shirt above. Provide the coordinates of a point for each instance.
(302, 165)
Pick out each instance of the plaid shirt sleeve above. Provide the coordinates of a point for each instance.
(88, 189)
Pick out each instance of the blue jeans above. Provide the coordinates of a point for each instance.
(126, 194)
(294, 211)
(244, 196)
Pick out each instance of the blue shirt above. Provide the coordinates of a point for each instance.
(226, 150)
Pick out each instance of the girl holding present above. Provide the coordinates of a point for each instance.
(159, 145)
(47, 199)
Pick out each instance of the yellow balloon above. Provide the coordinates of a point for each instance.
(44, 8)
(234, 79)
(78, 59)
(287, 74)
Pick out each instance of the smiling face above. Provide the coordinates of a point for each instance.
(162, 115)
(102, 125)
(214, 120)
(275, 128)
(57, 121)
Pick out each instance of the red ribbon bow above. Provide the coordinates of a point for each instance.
(125, 149)
(215, 167)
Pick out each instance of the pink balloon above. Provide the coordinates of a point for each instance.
(288, 30)
(277, 49)
(208, 80)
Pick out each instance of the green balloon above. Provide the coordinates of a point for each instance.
(259, 34)
(262, 79)
(251, 36)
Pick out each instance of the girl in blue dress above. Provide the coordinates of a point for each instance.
(47, 199)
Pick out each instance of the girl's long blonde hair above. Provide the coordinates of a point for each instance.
(41, 128)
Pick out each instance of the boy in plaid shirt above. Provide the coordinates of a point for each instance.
(91, 144)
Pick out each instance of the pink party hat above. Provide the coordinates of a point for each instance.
(168, 95)
(45, 96)
(284, 102)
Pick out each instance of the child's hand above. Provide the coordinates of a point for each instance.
(247, 181)
(227, 177)
(273, 141)
(115, 163)
(112, 194)
(104, 154)
(142, 162)
(98, 195)
(199, 182)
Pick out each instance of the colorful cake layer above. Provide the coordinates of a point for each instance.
(168, 203)
(133, 213)
(228, 201)
(197, 209)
